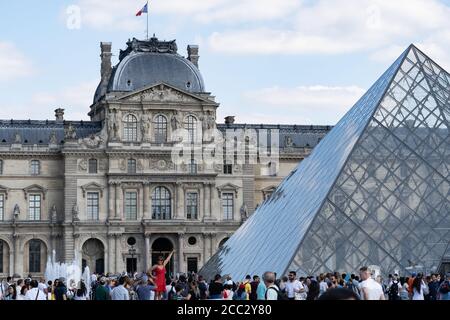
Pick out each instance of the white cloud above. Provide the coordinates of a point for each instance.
(13, 63)
(75, 100)
(330, 27)
(304, 104)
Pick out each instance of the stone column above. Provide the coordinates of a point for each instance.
(179, 213)
(140, 210)
(146, 200)
(181, 252)
(205, 247)
(207, 202)
(148, 254)
(212, 248)
(116, 197)
(111, 194)
(16, 267)
(118, 253)
(111, 249)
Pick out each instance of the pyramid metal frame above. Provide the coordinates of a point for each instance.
(338, 209)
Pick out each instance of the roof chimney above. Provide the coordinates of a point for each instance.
(229, 120)
(59, 114)
(106, 55)
(193, 54)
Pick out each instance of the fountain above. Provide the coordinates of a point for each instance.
(70, 272)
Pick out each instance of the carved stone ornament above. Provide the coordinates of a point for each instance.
(218, 167)
(161, 93)
(123, 165)
(53, 214)
(93, 141)
(82, 165)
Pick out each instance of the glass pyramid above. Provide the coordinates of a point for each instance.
(375, 191)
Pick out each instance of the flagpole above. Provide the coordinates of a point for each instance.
(147, 20)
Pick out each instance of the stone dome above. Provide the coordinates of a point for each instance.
(149, 62)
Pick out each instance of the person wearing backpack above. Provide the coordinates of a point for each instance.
(394, 288)
(272, 290)
(444, 289)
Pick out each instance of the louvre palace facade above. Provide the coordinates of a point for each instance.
(109, 193)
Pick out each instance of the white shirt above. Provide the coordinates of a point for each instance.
(271, 294)
(20, 297)
(292, 287)
(230, 294)
(419, 295)
(374, 289)
(42, 286)
(32, 293)
(323, 287)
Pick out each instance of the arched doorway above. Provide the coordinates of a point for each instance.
(163, 247)
(35, 257)
(4, 258)
(93, 256)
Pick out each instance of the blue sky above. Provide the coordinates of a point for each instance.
(266, 61)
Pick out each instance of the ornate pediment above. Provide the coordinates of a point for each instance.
(161, 93)
(35, 188)
(4, 190)
(92, 186)
(228, 187)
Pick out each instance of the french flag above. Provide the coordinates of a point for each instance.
(143, 10)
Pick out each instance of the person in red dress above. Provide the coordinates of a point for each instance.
(159, 272)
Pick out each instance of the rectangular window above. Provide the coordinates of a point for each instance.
(193, 167)
(1, 256)
(1, 166)
(130, 205)
(92, 206)
(192, 265)
(227, 205)
(2, 206)
(131, 166)
(34, 254)
(92, 166)
(227, 169)
(192, 205)
(35, 167)
(35, 207)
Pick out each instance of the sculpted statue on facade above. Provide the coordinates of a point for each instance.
(244, 212)
(70, 132)
(113, 128)
(53, 139)
(75, 213)
(17, 138)
(16, 212)
(175, 121)
(53, 213)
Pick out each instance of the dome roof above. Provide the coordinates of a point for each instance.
(149, 62)
(141, 69)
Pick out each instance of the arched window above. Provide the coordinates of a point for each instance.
(130, 127)
(161, 204)
(190, 125)
(160, 129)
(34, 256)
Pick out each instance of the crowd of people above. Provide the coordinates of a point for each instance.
(153, 285)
